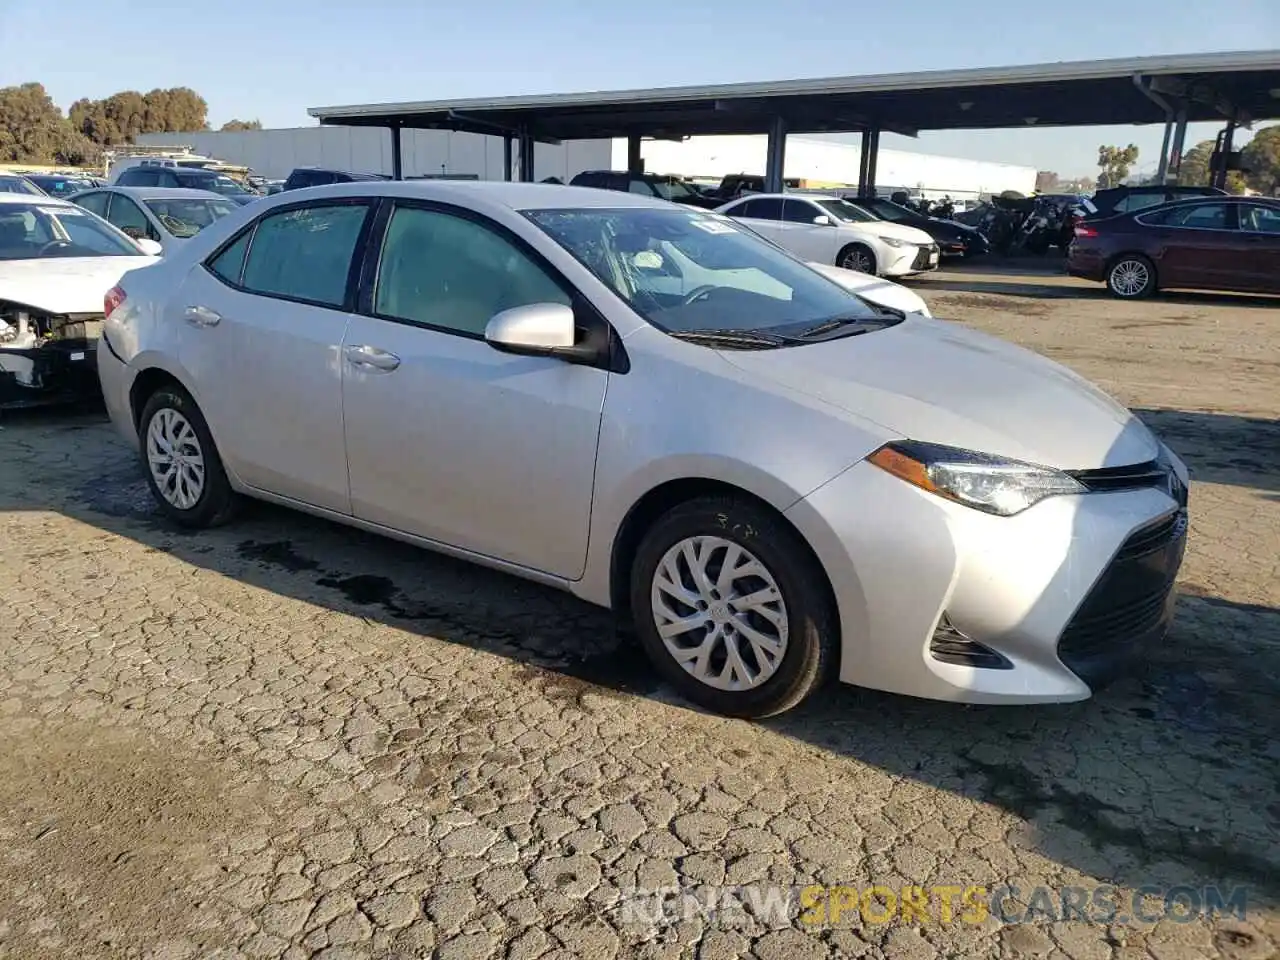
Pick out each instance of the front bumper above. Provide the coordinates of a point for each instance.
(1047, 591)
(912, 259)
(57, 371)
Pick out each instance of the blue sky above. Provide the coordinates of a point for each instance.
(272, 60)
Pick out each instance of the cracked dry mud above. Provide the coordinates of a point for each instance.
(288, 739)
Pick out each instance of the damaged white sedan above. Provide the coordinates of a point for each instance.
(57, 262)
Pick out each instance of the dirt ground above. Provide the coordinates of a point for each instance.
(288, 739)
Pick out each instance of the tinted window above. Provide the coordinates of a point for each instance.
(126, 215)
(1138, 201)
(764, 208)
(138, 177)
(170, 179)
(798, 211)
(95, 202)
(305, 254)
(587, 180)
(1205, 216)
(454, 273)
(642, 187)
(230, 262)
(1259, 219)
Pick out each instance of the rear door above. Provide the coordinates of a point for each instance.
(763, 214)
(1260, 236)
(263, 321)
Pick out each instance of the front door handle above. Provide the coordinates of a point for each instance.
(371, 357)
(202, 316)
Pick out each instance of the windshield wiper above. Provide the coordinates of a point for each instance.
(742, 339)
(835, 323)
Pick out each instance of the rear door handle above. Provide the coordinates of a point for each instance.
(202, 316)
(363, 355)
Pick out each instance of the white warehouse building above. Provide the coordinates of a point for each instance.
(273, 153)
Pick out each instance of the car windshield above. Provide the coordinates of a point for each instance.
(19, 185)
(60, 186)
(672, 189)
(30, 231)
(887, 210)
(699, 272)
(847, 212)
(188, 216)
(218, 183)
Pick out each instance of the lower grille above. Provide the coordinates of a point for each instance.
(923, 257)
(1130, 604)
(949, 645)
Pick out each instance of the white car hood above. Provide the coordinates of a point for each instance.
(933, 381)
(65, 285)
(899, 231)
(875, 289)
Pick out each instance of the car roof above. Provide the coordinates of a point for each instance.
(32, 198)
(161, 193)
(789, 196)
(513, 195)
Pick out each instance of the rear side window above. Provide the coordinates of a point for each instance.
(304, 253)
(765, 208)
(229, 264)
(138, 177)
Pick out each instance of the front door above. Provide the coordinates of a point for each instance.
(1260, 234)
(262, 338)
(448, 438)
(803, 237)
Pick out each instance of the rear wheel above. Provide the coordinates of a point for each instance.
(730, 607)
(1132, 277)
(857, 256)
(183, 468)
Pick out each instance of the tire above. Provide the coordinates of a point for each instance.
(1131, 276)
(857, 253)
(174, 416)
(803, 620)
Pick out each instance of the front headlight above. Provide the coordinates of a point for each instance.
(894, 241)
(990, 484)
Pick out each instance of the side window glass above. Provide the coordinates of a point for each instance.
(126, 215)
(305, 254)
(798, 211)
(640, 186)
(94, 203)
(454, 273)
(1256, 219)
(1204, 216)
(229, 264)
(744, 209)
(768, 208)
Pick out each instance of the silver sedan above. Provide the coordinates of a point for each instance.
(775, 480)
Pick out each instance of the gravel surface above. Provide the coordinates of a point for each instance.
(288, 739)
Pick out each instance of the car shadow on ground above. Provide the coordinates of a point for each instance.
(1167, 778)
(1221, 448)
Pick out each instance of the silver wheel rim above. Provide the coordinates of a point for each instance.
(857, 260)
(719, 613)
(175, 458)
(1129, 277)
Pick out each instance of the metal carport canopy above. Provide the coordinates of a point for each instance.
(1237, 86)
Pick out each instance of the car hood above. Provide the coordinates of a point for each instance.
(873, 288)
(929, 380)
(70, 285)
(899, 231)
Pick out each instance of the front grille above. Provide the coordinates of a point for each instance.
(1135, 476)
(1129, 605)
(921, 262)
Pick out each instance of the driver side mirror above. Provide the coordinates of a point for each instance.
(539, 330)
(822, 220)
(148, 246)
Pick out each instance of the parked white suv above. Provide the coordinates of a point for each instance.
(825, 229)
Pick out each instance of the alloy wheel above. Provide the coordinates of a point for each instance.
(175, 458)
(857, 259)
(719, 613)
(1130, 277)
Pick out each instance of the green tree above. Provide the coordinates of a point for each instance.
(1194, 170)
(1262, 156)
(122, 116)
(33, 129)
(232, 125)
(1115, 163)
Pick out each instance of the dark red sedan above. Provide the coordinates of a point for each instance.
(1206, 243)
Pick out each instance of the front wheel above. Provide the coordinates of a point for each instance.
(1132, 277)
(183, 468)
(730, 607)
(857, 257)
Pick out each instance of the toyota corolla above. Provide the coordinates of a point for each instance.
(774, 480)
